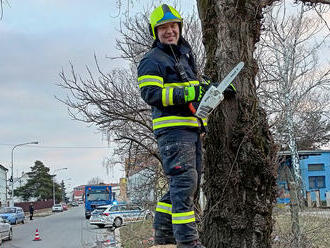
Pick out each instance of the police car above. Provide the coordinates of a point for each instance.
(118, 215)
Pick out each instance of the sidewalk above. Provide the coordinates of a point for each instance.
(39, 213)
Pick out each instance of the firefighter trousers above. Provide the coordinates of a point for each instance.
(181, 155)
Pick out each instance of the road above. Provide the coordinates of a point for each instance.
(68, 229)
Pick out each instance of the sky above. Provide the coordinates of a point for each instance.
(38, 39)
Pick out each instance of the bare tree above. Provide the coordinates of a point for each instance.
(290, 69)
(112, 101)
(95, 181)
(316, 129)
(240, 152)
(1, 8)
(292, 81)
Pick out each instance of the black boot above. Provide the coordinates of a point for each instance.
(191, 244)
(164, 237)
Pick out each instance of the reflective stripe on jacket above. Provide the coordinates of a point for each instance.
(162, 88)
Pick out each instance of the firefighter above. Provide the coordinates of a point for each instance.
(168, 83)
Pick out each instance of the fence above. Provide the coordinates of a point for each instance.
(37, 205)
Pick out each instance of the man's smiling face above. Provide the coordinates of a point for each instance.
(169, 33)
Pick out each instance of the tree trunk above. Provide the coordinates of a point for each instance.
(239, 159)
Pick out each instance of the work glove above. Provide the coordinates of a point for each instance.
(230, 91)
(204, 85)
(194, 93)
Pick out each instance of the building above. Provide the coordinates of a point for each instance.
(141, 186)
(144, 184)
(78, 193)
(315, 174)
(115, 188)
(3, 184)
(123, 190)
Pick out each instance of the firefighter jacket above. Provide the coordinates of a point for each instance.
(163, 89)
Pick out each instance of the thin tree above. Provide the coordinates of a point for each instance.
(240, 169)
(1, 9)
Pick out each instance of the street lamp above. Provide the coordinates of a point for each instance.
(54, 182)
(12, 168)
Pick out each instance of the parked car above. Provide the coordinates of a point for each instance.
(13, 215)
(118, 215)
(64, 206)
(6, 232)
(57, 208)
(74, 204)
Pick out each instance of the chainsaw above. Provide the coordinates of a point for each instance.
(214, 95)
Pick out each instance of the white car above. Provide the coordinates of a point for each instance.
(6, 232)
(57, 208)
(118, 215)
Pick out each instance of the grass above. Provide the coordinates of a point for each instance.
(136, 235)
(314, 228)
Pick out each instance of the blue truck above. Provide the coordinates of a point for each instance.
(97, 195)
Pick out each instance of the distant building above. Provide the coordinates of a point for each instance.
(123, 190)
(315, 173)
(142, 181)
(115, 191)
(3, 184)
(78, 193)
(141, 186)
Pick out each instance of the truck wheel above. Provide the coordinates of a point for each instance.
(87, 217)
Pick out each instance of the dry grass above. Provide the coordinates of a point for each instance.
(164, 246)
(314, 227)
(137, 235)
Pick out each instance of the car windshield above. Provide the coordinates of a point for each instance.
(58, 205)
(7, 210)
(98, 195)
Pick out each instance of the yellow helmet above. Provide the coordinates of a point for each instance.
(163, 14)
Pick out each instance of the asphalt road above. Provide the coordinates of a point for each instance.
(68, 229)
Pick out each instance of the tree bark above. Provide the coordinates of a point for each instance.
(239, 169)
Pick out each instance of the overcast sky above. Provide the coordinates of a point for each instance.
(37, 39)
